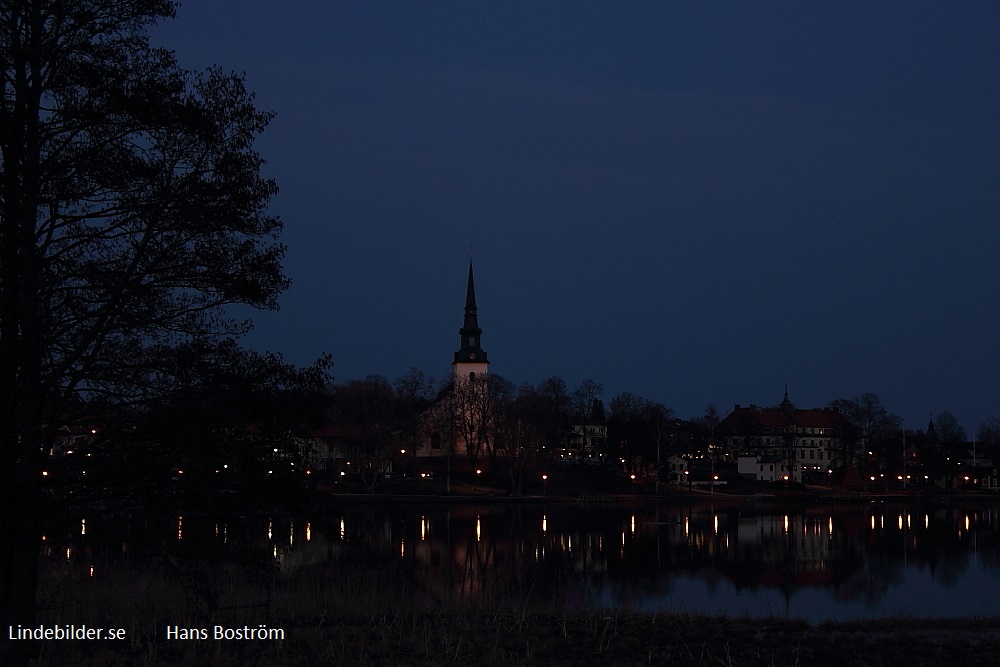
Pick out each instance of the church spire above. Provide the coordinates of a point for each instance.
(786, 405)
(470, 298)
(471, 350)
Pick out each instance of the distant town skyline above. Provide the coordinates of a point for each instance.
(695, 203)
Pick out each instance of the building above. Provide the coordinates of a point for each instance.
(771, 444)
(766, 468)
(452, 426)
(677, 470)
(585, 443)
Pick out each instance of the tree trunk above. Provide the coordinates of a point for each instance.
(20, 350)
(19, 563)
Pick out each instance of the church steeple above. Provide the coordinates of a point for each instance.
(786, 405)
(471, 351)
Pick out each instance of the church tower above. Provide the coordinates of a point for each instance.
(470, 360)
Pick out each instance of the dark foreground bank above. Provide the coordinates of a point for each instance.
(570, 638)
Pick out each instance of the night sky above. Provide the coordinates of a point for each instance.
(695, 202)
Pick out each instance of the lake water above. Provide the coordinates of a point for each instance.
(815, 562)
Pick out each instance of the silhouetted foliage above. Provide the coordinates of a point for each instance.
(873, 430)
(948, 429)
(522, 427)
(630, 432)
(597, 415)
(132, 211)
(239, 426)
(585, 401)
(711, 418)
(416, 386)
(378, 422)
(988, 437)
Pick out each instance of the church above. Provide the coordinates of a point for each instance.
(456, 424)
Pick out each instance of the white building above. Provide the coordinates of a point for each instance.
(772, 443)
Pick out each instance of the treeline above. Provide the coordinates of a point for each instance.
(511, 426)
(505, 425)
(238, 418)
(878, 441)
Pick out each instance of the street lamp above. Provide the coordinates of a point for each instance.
(544, 479)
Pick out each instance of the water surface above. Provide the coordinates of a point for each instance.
(815, 562)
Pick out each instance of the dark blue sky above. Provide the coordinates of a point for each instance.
(692, 201)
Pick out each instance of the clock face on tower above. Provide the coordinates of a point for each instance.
(472, 356)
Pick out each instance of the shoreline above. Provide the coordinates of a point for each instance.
(645, 499)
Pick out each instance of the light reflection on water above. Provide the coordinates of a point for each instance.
(815, 563)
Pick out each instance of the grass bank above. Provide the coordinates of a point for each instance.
(566, 638)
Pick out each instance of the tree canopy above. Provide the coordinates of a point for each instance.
(132, 213)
